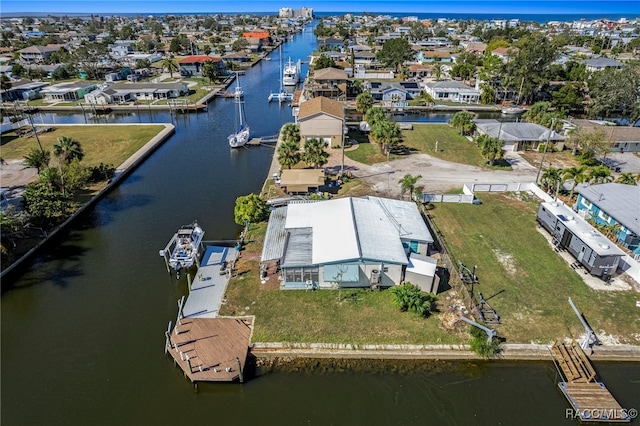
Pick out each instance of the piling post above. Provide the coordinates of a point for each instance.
(189, 281)
(167, 341)
(180, 305)
(240, 370)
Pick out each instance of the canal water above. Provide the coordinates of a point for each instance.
(83, 326)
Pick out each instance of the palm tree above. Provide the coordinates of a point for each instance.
(627, 179)
(288, 154)
(210, 70)
(67, 149)
(437, 70)
(291, 133)
(387, 133)
(170, 64)
(463, 120)
(314, 153)
(408, 183)
(576, 175)
(550, 178)
(492, 149)
(600, 174)
(37, 158)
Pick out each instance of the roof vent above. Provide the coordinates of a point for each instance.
(604, 246)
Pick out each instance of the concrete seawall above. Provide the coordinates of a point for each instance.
(523, 352)
(122, 171)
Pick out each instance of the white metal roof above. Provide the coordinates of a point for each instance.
(422, 265)
(583, 230)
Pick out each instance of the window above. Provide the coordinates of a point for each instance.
(602, 215)
(586, 203)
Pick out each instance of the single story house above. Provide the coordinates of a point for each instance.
(429, 56)
(68, 92)
(346, 242)
(620, 138)
(593, 251)
(599, 64)
(420, 70)
(22, 90)
(615, 205)
(125, 92)
(519, 136)
(191, 66)
(454, 91)
(322, 118)
(301, 180)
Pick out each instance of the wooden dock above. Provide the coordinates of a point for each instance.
(591, 400)
(211, 349)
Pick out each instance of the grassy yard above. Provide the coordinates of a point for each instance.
(422, 139)
(530, 282)
(359, 317)
(100, 143)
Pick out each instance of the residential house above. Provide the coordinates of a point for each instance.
(505, 53)
(331, 43)
(37, 54)
(257, 39)
(453, 91)
(620, 138)
(428, 56)
(599, 64)
(123, 92)
(22, 90)
(191, 66)
(322, 118)
(519, 136)
(329, 82)
(394, 94)
(592, 250)
(68, 92)
(614, 205)
(346, 242)
(420, 71)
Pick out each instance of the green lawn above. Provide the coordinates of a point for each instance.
(422, 139)
(101, 143)
(530, 281)
(360, 317)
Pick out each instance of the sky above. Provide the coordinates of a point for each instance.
(625, 7)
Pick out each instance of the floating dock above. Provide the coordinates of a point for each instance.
(591, 400)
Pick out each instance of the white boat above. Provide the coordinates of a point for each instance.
(513, 111)
(281, 95)
(291, 73)
(241, 134)
(183, 250)
(238, 92)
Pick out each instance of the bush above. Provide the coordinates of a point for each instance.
(101, 173)
(408, 297)
(551, 148)
(481, 346)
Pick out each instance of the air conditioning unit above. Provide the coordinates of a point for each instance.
(375, 277)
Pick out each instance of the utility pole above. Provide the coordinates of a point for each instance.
(546, 145)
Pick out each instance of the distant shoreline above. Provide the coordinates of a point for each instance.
(527, 17)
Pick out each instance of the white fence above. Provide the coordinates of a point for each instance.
(469, 190)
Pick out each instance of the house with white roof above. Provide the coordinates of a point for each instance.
(519, 136)
(348, 242)
(453, 91)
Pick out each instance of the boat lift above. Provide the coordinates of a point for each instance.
(490, 332)
(487, 313)
(467, 275)
(590, 338)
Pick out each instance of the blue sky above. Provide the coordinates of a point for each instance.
(626, 7)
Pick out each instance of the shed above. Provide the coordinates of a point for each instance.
(421, 272)
(302, 180)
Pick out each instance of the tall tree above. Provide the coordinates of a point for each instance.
(314, 153)
(250, 208)
(37, 158)
(288, 154)
(395, 52)
(67, 149)
(386, 133)
(170, 64)
(291, 133)
(529, 65)
(576, 175)
(616, 92)
(464, 121)
(491, 148)
(626, 179)
(210, 70)
(600, 174)
(364, 101)
(551, 178)
(408, 183)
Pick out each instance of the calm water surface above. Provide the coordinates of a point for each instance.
(83, 327)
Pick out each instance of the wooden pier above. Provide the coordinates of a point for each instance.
(211, 349)
(591, 400)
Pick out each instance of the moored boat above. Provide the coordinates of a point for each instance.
(513, 111)
(184, 248)
(291, 74)
(242, 133)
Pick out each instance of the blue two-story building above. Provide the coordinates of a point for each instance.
(613, 204)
